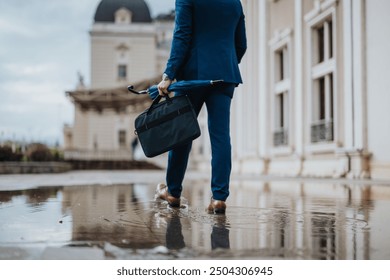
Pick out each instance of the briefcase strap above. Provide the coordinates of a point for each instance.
(156, 101)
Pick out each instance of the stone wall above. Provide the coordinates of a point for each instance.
(58, 167)
(34, 167)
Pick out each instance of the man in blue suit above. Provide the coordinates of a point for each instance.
(209, 42)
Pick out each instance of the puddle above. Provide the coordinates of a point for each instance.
(285, 220)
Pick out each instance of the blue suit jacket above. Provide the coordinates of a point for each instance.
(209, 41)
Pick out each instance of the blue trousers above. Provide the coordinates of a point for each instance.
(218, 100)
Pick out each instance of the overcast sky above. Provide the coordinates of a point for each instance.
(43, 44)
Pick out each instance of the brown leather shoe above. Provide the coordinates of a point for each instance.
(162, 193)
(216, 207)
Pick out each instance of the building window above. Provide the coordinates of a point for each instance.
(123, 16)
(322, 69)
(122, 71)
(281, 121)
(95, 142)
(324, 38)
(122, 138)
(281, 64)
(281, 92)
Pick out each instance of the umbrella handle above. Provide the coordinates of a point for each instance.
(131, 89)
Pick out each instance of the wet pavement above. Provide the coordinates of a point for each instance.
(284, 219)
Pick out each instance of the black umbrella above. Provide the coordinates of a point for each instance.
(178, 86)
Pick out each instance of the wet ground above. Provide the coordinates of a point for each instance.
(264, 220)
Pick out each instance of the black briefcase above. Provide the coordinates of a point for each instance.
(166, 125)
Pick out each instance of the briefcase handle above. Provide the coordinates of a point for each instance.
(156, 101)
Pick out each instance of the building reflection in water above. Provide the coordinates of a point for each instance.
(112, 214)
(306, 221)
(271, 220)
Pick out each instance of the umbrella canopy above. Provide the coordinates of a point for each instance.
(178, 86)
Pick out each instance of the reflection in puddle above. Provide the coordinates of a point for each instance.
(263, 220)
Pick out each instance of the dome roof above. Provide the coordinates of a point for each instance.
(106, 9)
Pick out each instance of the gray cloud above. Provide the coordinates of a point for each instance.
(43, 44)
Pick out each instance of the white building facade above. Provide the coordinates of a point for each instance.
(314, 99)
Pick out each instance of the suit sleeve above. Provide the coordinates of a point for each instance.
(240, 38)
(181, 37)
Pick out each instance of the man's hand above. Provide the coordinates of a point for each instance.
(163, 87)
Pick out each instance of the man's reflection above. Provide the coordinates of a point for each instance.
(220, 233)
(174, 236)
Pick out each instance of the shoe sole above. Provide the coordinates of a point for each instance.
(174, 205)
(216, 211)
